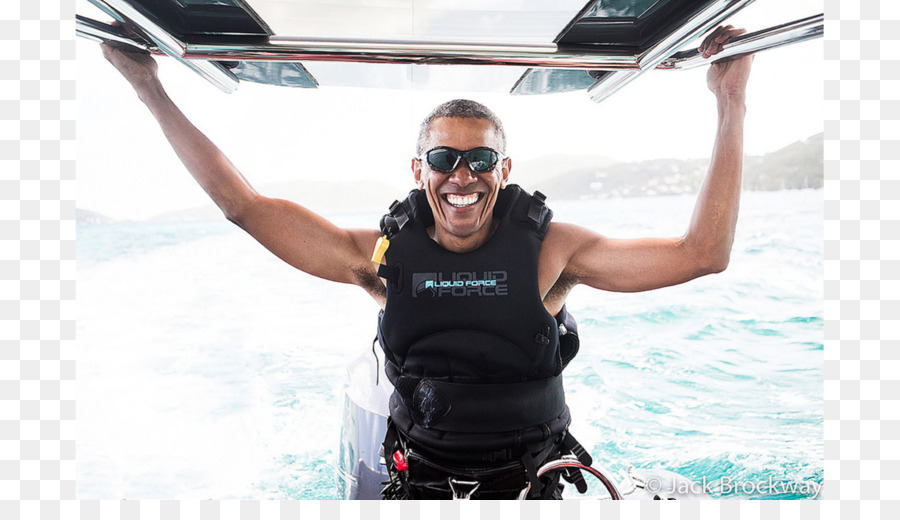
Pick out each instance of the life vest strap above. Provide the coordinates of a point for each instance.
(568, 336)
(536, 208)
(389, 273)
(573, 475)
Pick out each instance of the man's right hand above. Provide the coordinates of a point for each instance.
(138, 67)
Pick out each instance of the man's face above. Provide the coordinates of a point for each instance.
(462, 201)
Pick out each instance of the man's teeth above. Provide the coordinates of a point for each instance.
(461, 201)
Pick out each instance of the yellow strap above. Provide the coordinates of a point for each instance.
(380, 247)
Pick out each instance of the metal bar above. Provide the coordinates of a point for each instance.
(624, 68)
(786, 34)
(412, 52)
(695, 26)
(106, 9)
(165, 41)
(101, 33)
(211, 71)
(611, 83)
(698, 24)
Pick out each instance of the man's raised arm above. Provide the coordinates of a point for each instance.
(297, 235)
(644, 264)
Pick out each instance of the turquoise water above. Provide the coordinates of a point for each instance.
(210, 369)
(102, 243)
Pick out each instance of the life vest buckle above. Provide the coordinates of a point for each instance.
(457, 487)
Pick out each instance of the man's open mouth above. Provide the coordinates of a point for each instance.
(462, 201)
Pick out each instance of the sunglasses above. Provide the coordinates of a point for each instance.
(446, 160)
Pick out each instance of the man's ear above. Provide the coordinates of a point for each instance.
(505, 168)
(417, 172)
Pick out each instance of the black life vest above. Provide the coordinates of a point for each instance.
(473, 355)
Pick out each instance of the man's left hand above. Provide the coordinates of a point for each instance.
(727, 77)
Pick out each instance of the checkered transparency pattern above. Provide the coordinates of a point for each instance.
(862, 257)
(37, 258)
(37, 232)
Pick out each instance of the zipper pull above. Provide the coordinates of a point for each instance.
(380, 247)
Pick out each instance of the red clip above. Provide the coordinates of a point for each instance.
(400, 461)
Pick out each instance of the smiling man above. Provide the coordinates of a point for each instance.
(472, 276)
(463, 198)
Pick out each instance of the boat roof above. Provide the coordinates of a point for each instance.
(520, 46)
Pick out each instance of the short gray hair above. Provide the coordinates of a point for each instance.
(462, 108)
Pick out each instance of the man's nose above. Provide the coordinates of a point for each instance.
(462, 175)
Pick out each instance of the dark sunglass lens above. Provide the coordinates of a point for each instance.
(442, 160)
(481, 161)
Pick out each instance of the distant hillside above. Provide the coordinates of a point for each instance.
(799, 165)
(83, 216)
(532, 173)
(329, 197)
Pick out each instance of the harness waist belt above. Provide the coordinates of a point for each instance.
(487, 408)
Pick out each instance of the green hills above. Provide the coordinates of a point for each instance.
(796, 166)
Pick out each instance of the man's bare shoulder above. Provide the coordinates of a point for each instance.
(563, 244)
(364, 241)
(564, 239)
(556, 278)
(364, 236)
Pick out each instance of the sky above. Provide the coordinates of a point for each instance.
(126, 169)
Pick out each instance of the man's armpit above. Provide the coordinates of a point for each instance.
(560, 291)
(370, 281)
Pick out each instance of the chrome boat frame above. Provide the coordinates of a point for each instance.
(621, 68)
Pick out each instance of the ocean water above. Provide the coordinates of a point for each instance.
(207, 368)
